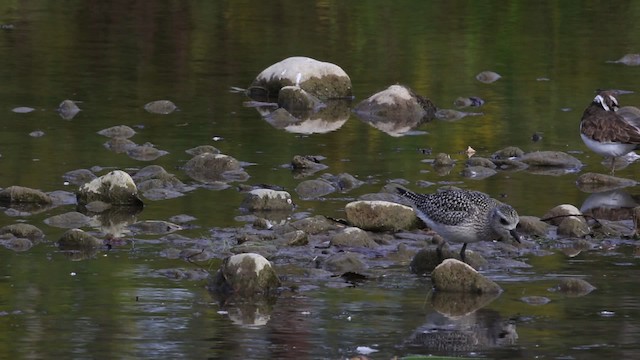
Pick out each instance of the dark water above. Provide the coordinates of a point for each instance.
(114, 57)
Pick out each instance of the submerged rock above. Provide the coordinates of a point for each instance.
(594, 182)
(20, 194)
(573, 287)
(312, 189)
(267, 199)
(78, 239)
(68, 220)
(245, 275)
(116, 188)
(211, 168)
(119, 131)
(160, 107)
(345, 262)
(145, 152)
(202, 149)
(22, 230)
(321, 79)
(380, 215)
(120, 145)
(295, 99)
(550, 159)
(455, 276)
(628, 59)
(468, 101)
(154, 227)
(353, 237)
(79, 176)
(17, 244)
(68, 109)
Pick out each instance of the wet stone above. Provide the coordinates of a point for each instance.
(573, 287)
(202, 149)
(550, 159)
(119, 131)
(68, 220)
(211, 168)
(154, 227)
(79, 176)
(267, 199)
(68, 109)
(245, 275)
(17, 244)
(380, 216)
(345, 262)
(312, 189)
(160, 107)
(120, 145)
(455, 276)
(353, 237)
(78, 239)
(20, 194)
(480, 161)
(22, 230)
(478, 172)
(343, 182)
(145, 153)
(508, 153)
(488, 77)
(116, 187)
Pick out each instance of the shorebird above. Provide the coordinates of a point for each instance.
(464, 216)
(607, 132)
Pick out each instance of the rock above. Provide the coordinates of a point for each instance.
(532, 225)
(443, 160)
(267, 199)
(478, 172)
(36, 133)
(17, 244)
(488, 77)
(78, 239)
(20, 194)
(154, 227)
(314, 225)
(396, 110)
(72, 219)
(353, 237)
(455, 276)
(480, 161)
(573, 287)
(573, 226)
(120, 145)
(311, 189)
(22, 110)
(22, 230)
(79, 176)
(380, 215)
(320, 79)
(195, 255)
(116, 188)
(551, 159)
(68, 109)
(160, 107)
(426, 260)
(594, 182)
(295, 100)
(145, 153)
(535, 300)
(296, 238)
(508, 153)
(119, 131)
(556, 215)
(307, 164)
(345, 262)
(245, 275)
(202, 149)
(343, 182)
(210, 168)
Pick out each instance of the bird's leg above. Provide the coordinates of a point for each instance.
(464, 247)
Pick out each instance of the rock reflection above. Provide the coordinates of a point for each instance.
(329, 117)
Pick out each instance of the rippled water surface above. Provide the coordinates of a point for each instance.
(132, 301)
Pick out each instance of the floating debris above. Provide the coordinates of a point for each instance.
(488, 77)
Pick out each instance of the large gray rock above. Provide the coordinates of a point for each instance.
(395, 110)
(380, 215)
(24, 195)
(245, 274)
(22, 230)
(311, 189)
(320, 79)
(116, 188)
(455, 276)
(550, 159)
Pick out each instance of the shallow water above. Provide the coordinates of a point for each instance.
(115, 57)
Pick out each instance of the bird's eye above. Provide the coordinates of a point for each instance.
(504, 221)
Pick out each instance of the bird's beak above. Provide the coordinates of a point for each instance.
(516, 235)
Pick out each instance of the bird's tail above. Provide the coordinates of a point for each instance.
(402, 191)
